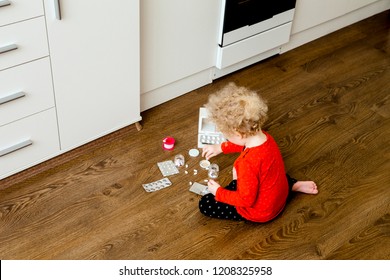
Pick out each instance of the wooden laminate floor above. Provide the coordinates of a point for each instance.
(330, 114)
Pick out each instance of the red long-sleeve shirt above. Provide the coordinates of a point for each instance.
(262, 187)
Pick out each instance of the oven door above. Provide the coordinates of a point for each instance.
(245, 18)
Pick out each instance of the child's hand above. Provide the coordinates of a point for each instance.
(234, 173)
(213, 186)
(210, 151)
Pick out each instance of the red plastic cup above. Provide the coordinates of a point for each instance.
(168, 143)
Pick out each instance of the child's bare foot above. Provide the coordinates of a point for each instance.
(305, 187)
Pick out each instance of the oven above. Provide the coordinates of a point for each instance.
(249, 28)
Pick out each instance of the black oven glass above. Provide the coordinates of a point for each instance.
(240, 13)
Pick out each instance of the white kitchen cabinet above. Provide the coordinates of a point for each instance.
(94, 50)
(179, 40)
(28, 122)
(67, 76)
(310, 13)
(317, 18)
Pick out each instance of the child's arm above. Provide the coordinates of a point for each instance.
(247, 188)
(227, 147)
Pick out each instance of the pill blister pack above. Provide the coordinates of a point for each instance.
(210, 139)
(157, 185)
(168, 168)
(199, 189)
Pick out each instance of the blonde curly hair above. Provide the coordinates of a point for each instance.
(237, 109)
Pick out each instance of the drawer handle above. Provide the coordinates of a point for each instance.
(11, 97)
(8, 48)
(4, 3)
(15, 147)
(57, 9)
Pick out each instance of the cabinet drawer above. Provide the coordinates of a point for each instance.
(22, 42)
(12, 11)
(25, 90)
(27, 142)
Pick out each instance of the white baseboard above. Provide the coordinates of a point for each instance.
(308, 35)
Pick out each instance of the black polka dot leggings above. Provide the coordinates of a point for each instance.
(208, 206)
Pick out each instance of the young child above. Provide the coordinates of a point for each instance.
(260, 186)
